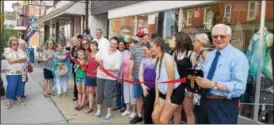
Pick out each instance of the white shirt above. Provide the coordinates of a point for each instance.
(103, 44)
(16, 68)
(113, 60)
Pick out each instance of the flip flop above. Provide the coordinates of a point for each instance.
(89, 111)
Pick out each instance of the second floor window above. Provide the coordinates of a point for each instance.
(227, 13)
(206, 9)
(189, 16)
(251, 13)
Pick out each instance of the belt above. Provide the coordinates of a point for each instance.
(217, 97)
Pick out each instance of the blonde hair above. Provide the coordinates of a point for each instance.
(12, 39)
(50, 40)
(22, 41)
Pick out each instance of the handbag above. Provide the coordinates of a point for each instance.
(30, 68)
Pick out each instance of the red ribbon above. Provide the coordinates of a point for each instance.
(181, 80)
(78, 62)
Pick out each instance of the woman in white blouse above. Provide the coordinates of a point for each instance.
(111, 60)
(16, 58)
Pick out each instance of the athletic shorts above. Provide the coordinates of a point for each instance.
(177, 96)
(48, 74)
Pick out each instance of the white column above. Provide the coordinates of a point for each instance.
(258, 82)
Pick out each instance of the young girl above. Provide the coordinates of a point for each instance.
(127, 87)
(147, 74)
(61, 78)
(91, 74)
(47, 56)
(80, 79)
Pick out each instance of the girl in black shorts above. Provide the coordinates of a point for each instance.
(168, 100)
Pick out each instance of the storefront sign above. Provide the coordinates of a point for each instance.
(41, 3)
(151, 19)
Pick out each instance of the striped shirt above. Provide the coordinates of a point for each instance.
(137, 54)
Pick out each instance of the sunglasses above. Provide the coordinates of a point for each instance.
(217, 36)
(85, 44)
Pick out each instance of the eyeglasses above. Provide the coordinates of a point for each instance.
(15, 44)
(217, 36)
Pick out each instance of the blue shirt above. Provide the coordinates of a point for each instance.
(231, 71)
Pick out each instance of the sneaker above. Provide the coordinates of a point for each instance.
(96, 115)
(107, 118)
(136, 120)
(123, 109)
(132, 115)
(23, 96)
(125, 113)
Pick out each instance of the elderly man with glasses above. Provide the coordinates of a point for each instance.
(225, 77)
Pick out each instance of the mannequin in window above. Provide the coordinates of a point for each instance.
(252, 54)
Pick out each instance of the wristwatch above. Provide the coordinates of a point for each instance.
(215, 86)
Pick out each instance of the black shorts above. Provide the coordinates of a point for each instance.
(177, 96)
(48, 74)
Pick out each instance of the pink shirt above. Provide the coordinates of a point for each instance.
(125, 65)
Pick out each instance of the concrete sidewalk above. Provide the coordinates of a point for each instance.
(37, 109)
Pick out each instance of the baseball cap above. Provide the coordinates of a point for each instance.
(142, 32)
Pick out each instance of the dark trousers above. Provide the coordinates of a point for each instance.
(218, 111)
(119, 95)
(148, 106)
(75, 92)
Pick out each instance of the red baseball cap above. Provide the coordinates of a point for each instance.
(142, 32)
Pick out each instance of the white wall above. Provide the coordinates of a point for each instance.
(98, 21)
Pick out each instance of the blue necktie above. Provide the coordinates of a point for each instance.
(212, 70)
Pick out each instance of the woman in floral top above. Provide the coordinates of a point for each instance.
(16, 58)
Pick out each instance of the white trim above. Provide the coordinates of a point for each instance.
(151, 7)
(248, 10)
(205, 8)
(227, 5)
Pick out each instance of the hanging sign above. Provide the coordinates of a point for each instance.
(151, 19)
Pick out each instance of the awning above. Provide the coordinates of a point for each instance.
(69, 8)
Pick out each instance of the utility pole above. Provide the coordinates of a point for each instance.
(87, 27)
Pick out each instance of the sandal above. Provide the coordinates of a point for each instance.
(46, 95)
(89, 111)
(8, 106)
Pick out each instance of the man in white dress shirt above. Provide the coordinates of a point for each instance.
(103, 43)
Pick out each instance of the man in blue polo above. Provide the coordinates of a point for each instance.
(137, 54)
(225, 77)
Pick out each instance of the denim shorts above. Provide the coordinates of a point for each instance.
(91, 82)
(137, 89)
(81, 80)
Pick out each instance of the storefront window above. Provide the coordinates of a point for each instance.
(122, 26)
(244, 19)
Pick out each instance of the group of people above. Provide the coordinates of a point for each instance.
(137, 70)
